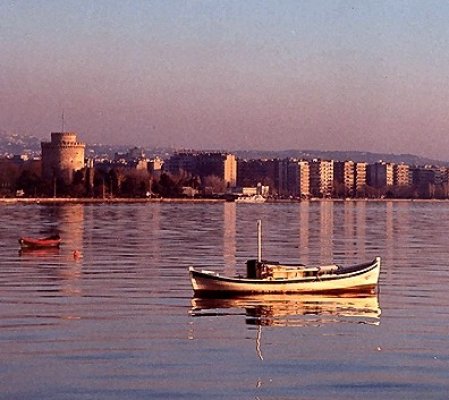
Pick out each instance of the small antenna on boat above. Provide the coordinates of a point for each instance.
(259, 240)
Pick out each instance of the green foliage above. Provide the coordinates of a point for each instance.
(29, 182)
(167, 187)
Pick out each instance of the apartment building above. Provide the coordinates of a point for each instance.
(304, 179)
(380, 174)
(321, 178)
(360, 178)
(344, 177)
(203, 164)
(252, 172)
(401, 175)
(294, 178)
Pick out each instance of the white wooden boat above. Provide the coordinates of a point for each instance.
(274, 277)
(254, 199)
(271, 277)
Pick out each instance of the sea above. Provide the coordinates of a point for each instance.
(112, 315)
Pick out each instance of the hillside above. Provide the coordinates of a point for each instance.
(358, 156)
(13, 144)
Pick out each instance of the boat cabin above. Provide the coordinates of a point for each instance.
(273, 270)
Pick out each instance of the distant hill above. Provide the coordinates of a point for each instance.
(357, 156)
(14, 144)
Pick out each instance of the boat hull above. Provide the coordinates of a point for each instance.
(363, 279)
(45, 243)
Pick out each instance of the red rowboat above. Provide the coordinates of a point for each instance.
(32, 243)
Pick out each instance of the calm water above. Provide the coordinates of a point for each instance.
(120, 321)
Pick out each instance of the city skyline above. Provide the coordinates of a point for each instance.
(253, 75)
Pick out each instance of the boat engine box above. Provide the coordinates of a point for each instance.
(253, 269)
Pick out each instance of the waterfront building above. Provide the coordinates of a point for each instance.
(286, 174)
(181, 162)
(204, 164)
(430, 181)
(321, 178)
(155, 167)
(360, 178)
(424, 180)
(423, 175)
(345, 178)
(62, 157)
(251, 172)
(401, 175)
(294, 178)
(380, 175)
(441, 175)
(289, 177)
(230, 170)
(304, 179)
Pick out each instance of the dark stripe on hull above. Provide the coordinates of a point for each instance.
(223, 294)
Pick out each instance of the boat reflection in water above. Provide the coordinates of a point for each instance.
(39, 252)
(294, 310)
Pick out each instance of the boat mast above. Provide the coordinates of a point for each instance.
(259, 240)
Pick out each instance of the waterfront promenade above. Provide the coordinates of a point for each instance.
(131, 200)
(84, 200)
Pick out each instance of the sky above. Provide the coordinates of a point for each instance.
(229, 75)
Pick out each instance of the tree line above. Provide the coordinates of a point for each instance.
(104, 182)
(120, 181)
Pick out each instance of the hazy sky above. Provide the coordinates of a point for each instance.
(329, 75)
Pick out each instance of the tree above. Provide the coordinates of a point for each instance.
(8, 176)
(167, 186)
(101, 183)
(117, 177)
(217, 184)
(340, 190)
(29, 182)
(136, 183)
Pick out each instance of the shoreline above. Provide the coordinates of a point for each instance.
(126, 200)
(115, 200)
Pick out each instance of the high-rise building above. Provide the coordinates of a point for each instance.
(285, 177)
(380, 174)
(252, 172)
(430, 181)
(360, 178)
(294, 178)
(230, 170)
(321, 178)
(401, 175)
(181, 162)
(441, 175)
(204, 164)
(62, 157)
(304, 179)
(345, 177)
